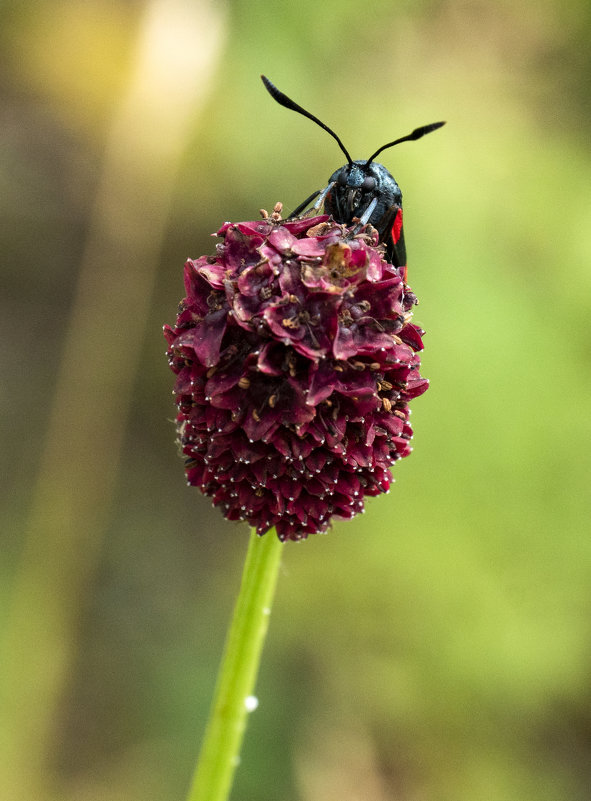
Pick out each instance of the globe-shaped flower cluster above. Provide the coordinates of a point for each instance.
(296, 359)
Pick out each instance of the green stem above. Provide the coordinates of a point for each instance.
(237, 675)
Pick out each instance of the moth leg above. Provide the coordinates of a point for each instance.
(303, 205)
(320, 194)
(365, 217)
(323, 195)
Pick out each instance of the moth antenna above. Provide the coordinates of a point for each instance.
(286, 101)
(416, 134)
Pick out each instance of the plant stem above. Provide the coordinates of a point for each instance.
(220, 752)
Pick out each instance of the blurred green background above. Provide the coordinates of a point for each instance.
(437, 648)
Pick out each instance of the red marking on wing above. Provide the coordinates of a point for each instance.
(397, 226)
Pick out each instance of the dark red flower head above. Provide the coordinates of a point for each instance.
(295, 360)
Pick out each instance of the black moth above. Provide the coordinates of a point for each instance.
(361, 190)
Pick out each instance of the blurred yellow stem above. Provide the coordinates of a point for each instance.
(176, 52)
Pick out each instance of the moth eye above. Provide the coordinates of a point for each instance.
(342, 179)
(369, 182)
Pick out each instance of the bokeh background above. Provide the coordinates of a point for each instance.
(439, 647)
